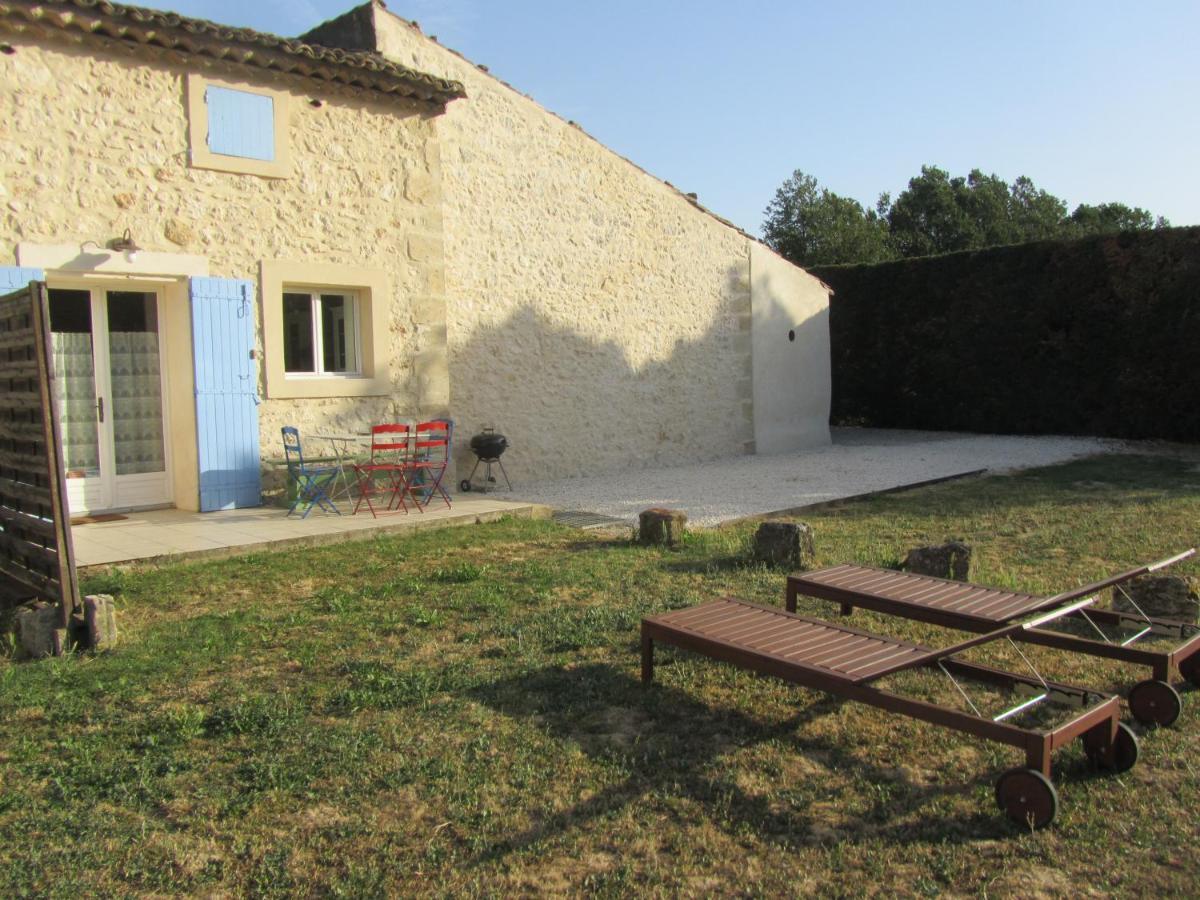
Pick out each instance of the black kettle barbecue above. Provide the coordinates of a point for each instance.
(487, 446)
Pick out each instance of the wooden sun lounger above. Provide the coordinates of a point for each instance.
(846, 662)
(970, 607)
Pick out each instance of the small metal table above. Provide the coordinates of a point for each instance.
(341, 444)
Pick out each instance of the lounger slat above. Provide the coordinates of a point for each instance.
(992, 605)
(936, 593)
(952, 599)
(773, 633)
(844, 651)
(765, 634)
(832, 647)
(789, 639)
(884, 661)
(878, 660)
(729, 618)
(970, 597)
(753, 629)
(717, 613)
(782, 643)
(870, 581)
(803, 647)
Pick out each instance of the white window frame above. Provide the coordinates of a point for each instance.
(374, 293)
(318, 339)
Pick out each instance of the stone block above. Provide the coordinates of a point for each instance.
(660, 526)
(177, 231)
(1168, 596)
(423, 249)
(100, 622)
(39, 630)
(787, 544)
(949, 560)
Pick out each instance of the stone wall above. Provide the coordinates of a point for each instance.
(95, 141)
(539, 281)
(595, 314)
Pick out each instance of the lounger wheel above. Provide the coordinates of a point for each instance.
(1190, 669)
(1155, 703)
(1125, 751)
(1027, 797)
(464, 486)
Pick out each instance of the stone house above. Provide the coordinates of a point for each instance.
(241, 231)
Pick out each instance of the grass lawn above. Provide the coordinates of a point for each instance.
(459, 712)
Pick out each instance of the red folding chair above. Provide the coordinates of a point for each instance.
(430, 458)
(385, 473)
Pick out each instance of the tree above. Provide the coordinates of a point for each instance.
(940, 214)
(1038, 214)
(1110, 217)
(930, 217)
(810, 225)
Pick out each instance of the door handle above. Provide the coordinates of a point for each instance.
(100, 409)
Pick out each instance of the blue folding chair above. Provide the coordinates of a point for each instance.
(312, 483)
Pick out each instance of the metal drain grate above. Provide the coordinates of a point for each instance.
(576, 519)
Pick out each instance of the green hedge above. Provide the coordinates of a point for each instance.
(1098, 336)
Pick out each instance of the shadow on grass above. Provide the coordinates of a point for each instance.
(672, 744)
(713, 565)
(601, 543)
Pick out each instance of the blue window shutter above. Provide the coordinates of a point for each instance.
(13, 278)
(226, 393)
(240, 123)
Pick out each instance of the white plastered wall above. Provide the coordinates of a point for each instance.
(790, 353)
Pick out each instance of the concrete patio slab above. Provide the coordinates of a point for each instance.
(171, 534)
(860, 461)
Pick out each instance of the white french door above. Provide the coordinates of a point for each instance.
(107, 349)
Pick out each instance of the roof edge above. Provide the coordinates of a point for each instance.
(150, 30)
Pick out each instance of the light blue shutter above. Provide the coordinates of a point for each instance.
(240, 123)
(226, 393)
(13, 278)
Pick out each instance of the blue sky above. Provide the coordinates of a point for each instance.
(1095, 101)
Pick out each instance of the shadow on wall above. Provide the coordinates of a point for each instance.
(572, 404)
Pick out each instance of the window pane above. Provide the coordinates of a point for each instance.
(70, 311)
(297, 333)
(338, 330)
(135, 382)
(74, 380)
(132, 311)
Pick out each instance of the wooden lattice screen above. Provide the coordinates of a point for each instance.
(35, 529)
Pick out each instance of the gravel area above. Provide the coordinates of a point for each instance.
(859, 461)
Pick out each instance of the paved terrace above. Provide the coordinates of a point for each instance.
(860, 461)
(163, 534)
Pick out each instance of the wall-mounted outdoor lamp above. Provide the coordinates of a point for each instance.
(125, 244)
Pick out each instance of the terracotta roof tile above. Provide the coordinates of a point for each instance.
(140, 27)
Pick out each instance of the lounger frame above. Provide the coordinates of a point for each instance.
(1184, 657)
(1097, 721)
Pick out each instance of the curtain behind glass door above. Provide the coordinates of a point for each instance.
(136, 382)
(75, 380)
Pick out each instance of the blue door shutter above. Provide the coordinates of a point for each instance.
(240, 123)
(13, 278)
(226, 393)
